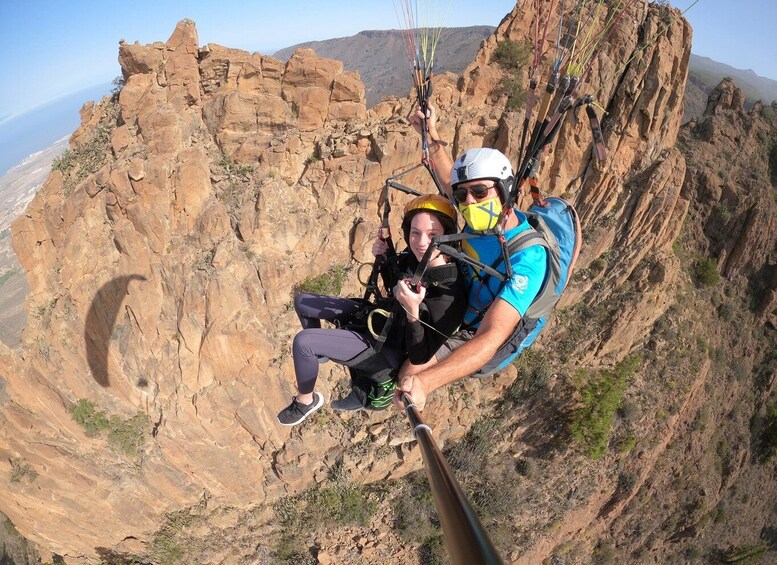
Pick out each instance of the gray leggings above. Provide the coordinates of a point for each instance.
(314, 343)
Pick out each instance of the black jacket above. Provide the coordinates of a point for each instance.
(443, 309)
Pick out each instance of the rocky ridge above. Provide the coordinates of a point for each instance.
(161, 281)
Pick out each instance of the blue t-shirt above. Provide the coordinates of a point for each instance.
(529, 267)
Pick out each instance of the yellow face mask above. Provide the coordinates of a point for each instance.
(482, 215)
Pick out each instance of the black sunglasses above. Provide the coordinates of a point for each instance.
(479, 191)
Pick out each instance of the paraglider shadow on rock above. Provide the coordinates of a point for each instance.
(100, 322)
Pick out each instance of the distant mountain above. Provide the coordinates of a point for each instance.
(380, 59)
(705, 74)
(33, 131)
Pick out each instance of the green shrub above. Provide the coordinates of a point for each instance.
(118, 84)
(127, 436)
(5, 233)
(600, 399)
(318, 508)
(705, 272)
(341, 504)
(234, 170)
(86, 416)
(516, 93)
(526, 468)
(328, 284)
(64, 163)
(596, 266)
(512, 55)
(166, 546)
(723, 212)
(289, 550)
(627, 444)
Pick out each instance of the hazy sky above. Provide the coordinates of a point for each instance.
(49, 48)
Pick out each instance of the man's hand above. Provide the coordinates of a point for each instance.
(437, 152)
(414, 389)
(416, 119)
(497, 325)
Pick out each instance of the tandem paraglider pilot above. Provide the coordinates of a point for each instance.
(495, 329)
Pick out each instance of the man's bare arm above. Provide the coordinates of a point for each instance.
(497, 325)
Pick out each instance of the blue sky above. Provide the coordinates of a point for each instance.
(49, 48)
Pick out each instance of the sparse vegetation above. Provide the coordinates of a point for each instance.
(600, 398)
(166, 547)
(745, 554)
(234, 170)
(45, 311)
(90, 153)
(512, 56)
(44, 349)
(9, 528)
(235, 185)
(469, 453)
(118, 84)
(5, 233)
(492, 494)
(723, 212)
(767, 438)
(86, 415)
(416, 519)
(705, 272)
(329, 283)
(533, 375)
(127, 436)
(773, 161)
(627, 444)
(64, 163)
(603, 553)
(597, 266)
(337, 504)
(313, 158)
(21, 470)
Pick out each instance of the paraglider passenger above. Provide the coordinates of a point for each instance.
(428, 315)
(479, 181)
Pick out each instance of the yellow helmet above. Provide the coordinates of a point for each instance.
(437, 205)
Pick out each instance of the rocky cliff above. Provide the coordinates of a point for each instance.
(163, 254)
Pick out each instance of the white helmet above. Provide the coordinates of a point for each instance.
(483, 163)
